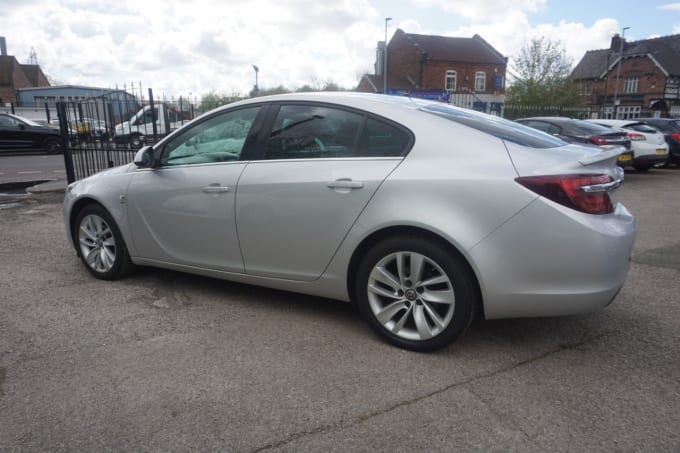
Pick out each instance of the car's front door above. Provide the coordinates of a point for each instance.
(320, 168)
(15, 134)
(182, 212)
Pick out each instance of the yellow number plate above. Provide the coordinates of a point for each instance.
(625, 158)
(661, 151)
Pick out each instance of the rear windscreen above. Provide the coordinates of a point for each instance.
(641, 127)
(584, 127)
(498, 127)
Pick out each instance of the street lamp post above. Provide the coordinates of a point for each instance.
(387, 19)
(256, 71)
(618, 73)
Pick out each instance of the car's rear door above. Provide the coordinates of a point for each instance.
(320, 166)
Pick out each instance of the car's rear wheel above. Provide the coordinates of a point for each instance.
(52, 145)
(643, 167)
(100, 244)
(416, 293)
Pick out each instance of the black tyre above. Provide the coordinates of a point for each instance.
(642, 168)
(136, 141)
(100, 244)
(52, 145)
(416, 292)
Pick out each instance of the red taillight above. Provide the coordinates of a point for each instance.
(675, 136)
(568, 190)
(636, 137)
(599, 141)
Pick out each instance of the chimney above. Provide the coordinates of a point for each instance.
(617, 41)
(380, 58)
(3, 46)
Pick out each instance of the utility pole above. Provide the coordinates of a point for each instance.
(618, 73)
(387, 19)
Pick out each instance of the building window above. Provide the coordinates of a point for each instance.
(480, 81)
(588, 88)
(623, 112)
(450, 83)
(627, 112)
(631, 84)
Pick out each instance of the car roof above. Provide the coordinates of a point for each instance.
(617, 123)
(549, 118)
(571, 125)
(353, 99)
(665, 120)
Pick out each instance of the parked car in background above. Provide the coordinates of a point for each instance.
(90, 129)
(671, 130)
(21, 134)
(424, 214)
(579, 131)
(647, 143)
(141, 124)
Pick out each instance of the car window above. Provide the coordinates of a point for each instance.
(578, 126)
(216, 139)
(9, 121)
(380, 139)
(498, 127)
(543, 126)
(641, 127)
(307, 131)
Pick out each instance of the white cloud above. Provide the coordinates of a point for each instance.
(484, 9)
(671, 6)
(195, 46)
(576, 38)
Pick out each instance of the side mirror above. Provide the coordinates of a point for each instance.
(144, 157)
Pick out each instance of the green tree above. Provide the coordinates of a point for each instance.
(269, 91)
(213, 99)
(541, 75)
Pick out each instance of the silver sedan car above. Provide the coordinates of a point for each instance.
(423, 214)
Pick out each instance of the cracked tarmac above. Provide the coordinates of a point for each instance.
(163, 361)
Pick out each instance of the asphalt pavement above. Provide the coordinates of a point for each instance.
(163, 361)
(30, 167)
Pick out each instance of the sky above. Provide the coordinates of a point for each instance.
(192, 47)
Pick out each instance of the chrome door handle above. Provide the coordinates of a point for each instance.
(345, 183)
(215, 188)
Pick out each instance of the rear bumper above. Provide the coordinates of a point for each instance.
(574, 263)
(651, 159)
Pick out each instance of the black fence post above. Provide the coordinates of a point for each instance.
(110, 129)
(47, 113)
(154, 116)
(63, 128)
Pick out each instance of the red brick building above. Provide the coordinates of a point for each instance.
(648, 81)
(15, 75)
(427, 63)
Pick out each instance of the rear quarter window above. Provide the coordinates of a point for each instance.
(498, 127)
(640, 127)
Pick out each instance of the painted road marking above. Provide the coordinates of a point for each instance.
(28, 172)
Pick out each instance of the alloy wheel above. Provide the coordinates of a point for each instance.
(97, 243)
(411, 296)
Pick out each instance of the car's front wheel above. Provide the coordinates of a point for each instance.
(136, 141)
(100, 244)
(52, 145)
(416, 293)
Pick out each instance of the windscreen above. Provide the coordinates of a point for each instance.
(498, 127)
